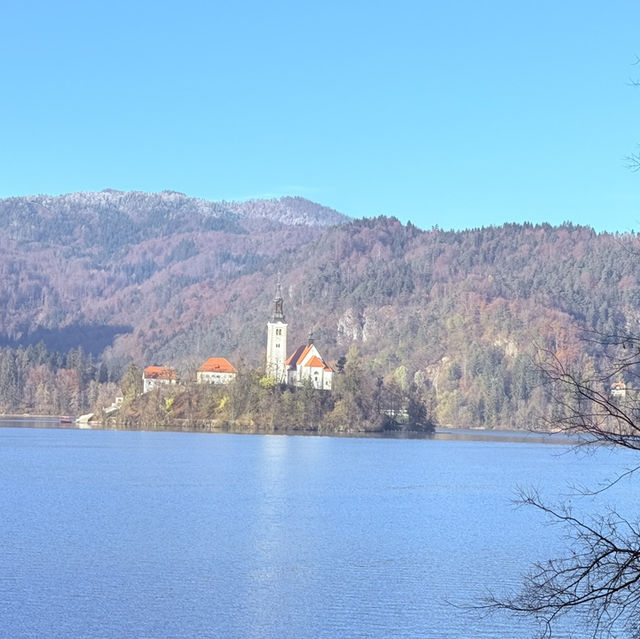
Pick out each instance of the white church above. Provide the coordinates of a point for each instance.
(305, 363)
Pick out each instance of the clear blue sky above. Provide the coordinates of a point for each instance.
(458, 113)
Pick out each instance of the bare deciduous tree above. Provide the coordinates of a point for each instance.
(597, 581)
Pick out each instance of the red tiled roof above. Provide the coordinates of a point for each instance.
(315, 362)
(217, 365)
(159, 372)
(296, 357)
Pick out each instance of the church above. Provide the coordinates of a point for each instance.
(304, 364)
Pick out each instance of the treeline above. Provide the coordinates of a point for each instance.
(482, 388)
(34, 380)
(360, 402)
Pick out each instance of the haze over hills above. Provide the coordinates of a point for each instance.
(164, 278)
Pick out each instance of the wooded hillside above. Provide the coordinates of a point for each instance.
(167, 279)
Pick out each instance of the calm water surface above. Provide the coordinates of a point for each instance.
(137, 534)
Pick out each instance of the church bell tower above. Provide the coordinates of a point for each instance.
(277, 340)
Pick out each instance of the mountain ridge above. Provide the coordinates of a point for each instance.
(291, 210)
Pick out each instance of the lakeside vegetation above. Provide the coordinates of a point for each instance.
(255, 403)
(37, 381)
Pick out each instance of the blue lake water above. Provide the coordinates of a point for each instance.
(116, 534)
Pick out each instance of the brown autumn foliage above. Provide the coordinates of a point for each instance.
(163, 278)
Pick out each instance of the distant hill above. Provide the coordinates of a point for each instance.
(110, 218)
(164, 278)
(89, 258)
(288, 210)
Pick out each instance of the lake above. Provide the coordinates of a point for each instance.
(116, 534)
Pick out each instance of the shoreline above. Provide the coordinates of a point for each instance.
(32, 421)
(440, 434)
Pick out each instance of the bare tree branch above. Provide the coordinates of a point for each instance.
(597, 582)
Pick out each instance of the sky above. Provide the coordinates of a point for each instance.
(455, 114)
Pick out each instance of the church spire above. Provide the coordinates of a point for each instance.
(277, 340)
(278, 312)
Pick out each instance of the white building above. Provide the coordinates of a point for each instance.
(618, 389)
(216, 370)
(306, 363)
(154, 376)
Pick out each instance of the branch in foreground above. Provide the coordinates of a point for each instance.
(585, 407)
(598, 582)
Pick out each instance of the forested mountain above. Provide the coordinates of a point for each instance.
(163, 278)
